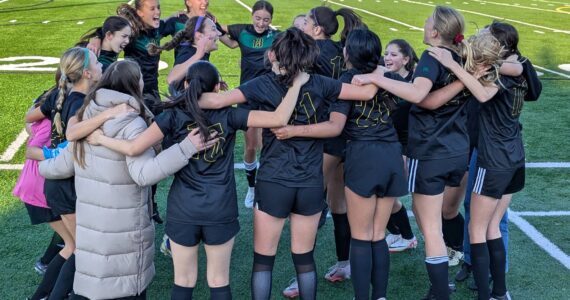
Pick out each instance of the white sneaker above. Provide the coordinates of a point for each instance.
(393, 238)
(454, 257)
(248, 201)
(292, 290)
(338, 272)
(402, 244)
(165, 246)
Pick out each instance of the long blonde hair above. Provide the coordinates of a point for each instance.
(487, 51)
(450, 25)
(73, 62)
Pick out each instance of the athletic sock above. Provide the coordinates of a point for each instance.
(497, 263)
(181, 292)
(453, 232)
(50, 277)
(261, 276)
(480, 266)
(250, 172)
(361, 267)
(437, 268)
(221, 293)
(306, 274)
(64, 284)
(391, 226)
(380, 268)
(52, 250)
(341, 236)
(402, 221)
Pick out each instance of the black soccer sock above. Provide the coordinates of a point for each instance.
(391, 226)
(52, 249)
(181, 292)
(261, 276)
(453, 232)
(50, 277)
(221, 293)
(361, 267)
(250, 172)
(497, 263)
(437, 268)
(380, 268)
(64, 284)
(306, 274)
(402, 221)
(341, 236)
(480, 266)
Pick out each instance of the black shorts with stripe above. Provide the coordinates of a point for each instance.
(496, 183)
(430, 177)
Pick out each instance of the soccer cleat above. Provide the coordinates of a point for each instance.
(40, 267)
(454, 257)
(464, 273)
(165, 246)
(402, 244)
(507, 296)
(292, 290)
(249, 197)
(392, 238)
(338, 272)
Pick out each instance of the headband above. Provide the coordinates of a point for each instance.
(199, 23)
(86, 60)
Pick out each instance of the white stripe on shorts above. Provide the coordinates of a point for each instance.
(412, 168)
(480, 179)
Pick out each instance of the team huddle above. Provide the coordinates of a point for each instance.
(345, 127)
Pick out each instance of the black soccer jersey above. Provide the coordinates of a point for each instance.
(295, 162)
(137, 51)
(71, 105)
(252, 46)
(500, 140)
(400, 116)
(204, 192)
(439, 133)
(106, 58)
(330, 60)
(368, 120)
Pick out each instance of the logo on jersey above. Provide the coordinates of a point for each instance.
(257, 43)
(216, 151)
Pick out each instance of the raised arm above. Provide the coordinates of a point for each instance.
(178, 72)
(413, 92)
(511, 66)
(331, 128)
(480, 92)
(281, 115)
(221, 100)
(78, 130)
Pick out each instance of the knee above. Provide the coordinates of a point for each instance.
(218, 280)
(185, 280)
(450, 211)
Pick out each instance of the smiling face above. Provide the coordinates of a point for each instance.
(149, 12)
(209, 32)
(197, 7)
(118, 40)
(261, 20)
(394, 58)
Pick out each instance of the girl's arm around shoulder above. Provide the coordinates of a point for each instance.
(78, 130)
(59, 167)
(138, 138)
(331, 128)
(221, 100)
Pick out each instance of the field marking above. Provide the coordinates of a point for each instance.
(11, 167)
(14, 147)
(561, 213)
(546, 1)
(520, 6)
(539, 239)
(2, 1)
(539, 32)
(552, 71)
(377, 15)
(548, 165)
(496, 17)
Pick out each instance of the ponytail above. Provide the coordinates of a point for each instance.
(351, 22)
(325, 17)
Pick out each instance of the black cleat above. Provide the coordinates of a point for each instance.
(464, 273)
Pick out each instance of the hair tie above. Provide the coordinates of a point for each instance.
(86, 60)
(458, 38)
(198, 23)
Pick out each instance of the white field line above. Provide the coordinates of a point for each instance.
(543, 213)
(2, 1)
(421, 29)
(538, 31)
(496, 17)
(250, 10)
(11, 167)
(556, 2)
(13, 148)
(548, 165)
(524, 7)
(377, 15)
(552, 71)
(539, 239)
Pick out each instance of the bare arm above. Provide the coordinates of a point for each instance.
(281, 115)
(78, 130)
(35, 153)
(226, 40)
(413, 92)
(148, 138)
(511, 66)
(438, 98)
(331, 128)
(34, 115)
(357, 93)
(221, 100)
(178, 72)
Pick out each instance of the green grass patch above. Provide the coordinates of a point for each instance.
(553, 229)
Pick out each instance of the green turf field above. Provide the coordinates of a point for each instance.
(544, 28)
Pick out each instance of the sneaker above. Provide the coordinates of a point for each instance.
(464, 273)
(292, 290)
(507, 296)
(40, 267)
(392, 238)
(165, 246)
(454, 257)
(338, 272)
(249, 197)
(403, 244)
